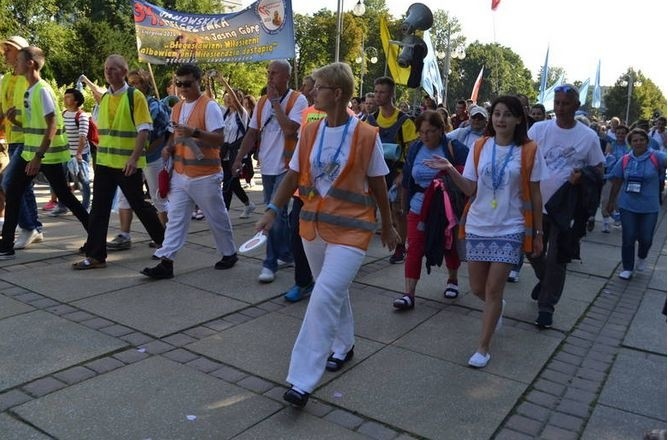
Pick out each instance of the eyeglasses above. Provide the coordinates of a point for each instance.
(183, 84)
(318, 88)
(565, 89)
(26, 101)
(427, 132)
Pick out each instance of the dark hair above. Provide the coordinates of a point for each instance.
(432, 117)
(623, 127)
(539, 106)
(635, 131)
(516, 109)
(385, 81)
(189, 69)
(78, 96)
(34, 54)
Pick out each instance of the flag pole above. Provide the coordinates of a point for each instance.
(155, 87)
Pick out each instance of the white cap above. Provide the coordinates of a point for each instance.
(477, 110)
(17, 42)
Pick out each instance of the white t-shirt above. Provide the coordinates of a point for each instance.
(213, 116)
(272, 140)
(506, 217)
(330, 144)
(564, 150)
(48, 106)
(231, 130)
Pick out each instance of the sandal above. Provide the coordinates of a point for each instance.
(334, 364)
(451, 291)
(406, 302)
(89, 263)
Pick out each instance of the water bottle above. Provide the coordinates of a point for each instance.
(79, 85)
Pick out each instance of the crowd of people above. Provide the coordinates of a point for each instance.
(489, 185)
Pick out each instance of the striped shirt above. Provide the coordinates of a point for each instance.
(73, 133)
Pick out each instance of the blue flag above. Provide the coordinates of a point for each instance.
(584, 89)
(543, 79)
(596, 95)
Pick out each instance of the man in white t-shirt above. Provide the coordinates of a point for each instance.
(275, 124)
(567, 147)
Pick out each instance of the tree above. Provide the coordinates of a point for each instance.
(646, 98)
(504, 73)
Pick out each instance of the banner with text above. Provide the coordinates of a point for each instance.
(262, 31)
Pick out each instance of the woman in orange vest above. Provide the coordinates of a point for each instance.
(504, 216)
(339, 169)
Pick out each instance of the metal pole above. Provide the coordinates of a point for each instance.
(446, 73)
(155, 87)
(628, 98)
(362, 68)
(339, 20)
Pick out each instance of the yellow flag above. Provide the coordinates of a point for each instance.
(399, 74)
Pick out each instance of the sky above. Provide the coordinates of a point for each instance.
(578, 32)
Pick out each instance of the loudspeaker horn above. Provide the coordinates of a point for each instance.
(419, 17)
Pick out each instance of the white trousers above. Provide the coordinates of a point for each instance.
(150, 173)
(328, 323)
(206, 192)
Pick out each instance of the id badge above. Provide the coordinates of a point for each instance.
(633, 186)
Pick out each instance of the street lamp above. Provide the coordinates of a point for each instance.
(368, 53)
(459, 53)
(358, 10)
(631, 81)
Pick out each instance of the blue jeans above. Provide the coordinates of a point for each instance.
(638, 227)
(28, 212)
(278, 240)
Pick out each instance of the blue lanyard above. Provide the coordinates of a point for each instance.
(338, 150)
(498, 178)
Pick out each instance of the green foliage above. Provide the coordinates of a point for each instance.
(645, 99)
(77, 37)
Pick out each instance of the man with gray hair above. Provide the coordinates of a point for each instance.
(274, 127)
(470, 133)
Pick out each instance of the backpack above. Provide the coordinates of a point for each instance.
(92, 135)
(652, 158)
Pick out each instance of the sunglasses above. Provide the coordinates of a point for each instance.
(26, 101)
(184, 84)
(565, 89)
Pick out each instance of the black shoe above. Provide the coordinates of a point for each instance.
(399, 254)
(296, 398)
(7, 254)
(536, 291)
(544, 320)
(226, 262)
(334, 364)
(164, 270)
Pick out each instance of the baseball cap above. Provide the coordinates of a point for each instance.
(477, 110)
(17, 42)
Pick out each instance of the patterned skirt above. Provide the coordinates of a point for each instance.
(503, 249)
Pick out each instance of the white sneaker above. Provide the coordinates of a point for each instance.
(28, 237)
(626, 274)
(641, 264)
(606, 225)
(479, 360)
(499, 322)
(283, 264)
(248, 210)
(266, 275)
(513, 276)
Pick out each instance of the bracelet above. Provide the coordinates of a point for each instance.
(274, 208)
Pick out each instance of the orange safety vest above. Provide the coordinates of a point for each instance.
(346, 215)
(526, 165)
(290, 142)
(185, 161)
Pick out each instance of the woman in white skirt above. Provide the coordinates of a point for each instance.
(504, 216)
(339, 169)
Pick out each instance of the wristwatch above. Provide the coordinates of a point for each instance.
(196, 133)
(39, 154)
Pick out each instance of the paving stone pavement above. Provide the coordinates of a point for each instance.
(110, 354)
